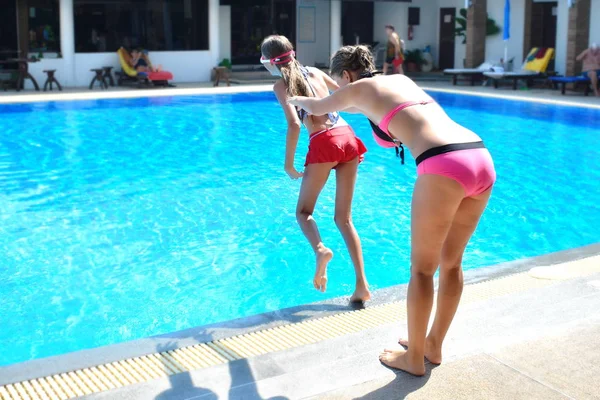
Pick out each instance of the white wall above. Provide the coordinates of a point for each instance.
(595, 23)
(180, 63)
(562, 28)
(494, 46)
(396, 14)
(318, 52)
(225, 32)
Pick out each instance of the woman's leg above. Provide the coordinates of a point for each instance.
(451, 275)
(594, 78)
(315, 177)
(435, 202)
(345, 181)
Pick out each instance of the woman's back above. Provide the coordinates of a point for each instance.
(420, 126)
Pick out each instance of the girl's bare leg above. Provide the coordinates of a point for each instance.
(315, 177)
(345, 183)
(435, 202)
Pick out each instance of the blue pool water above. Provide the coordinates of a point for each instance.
(122, 219)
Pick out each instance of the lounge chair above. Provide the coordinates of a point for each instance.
(532, 68)
(130, 75)
(564, 80)
(472, 74)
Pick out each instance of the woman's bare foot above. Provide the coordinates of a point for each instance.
(432, 353)
(361, 294)
(398, 359)
(324, 255)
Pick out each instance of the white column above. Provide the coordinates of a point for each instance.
(335, 24)
(213, 30)
(67, 42)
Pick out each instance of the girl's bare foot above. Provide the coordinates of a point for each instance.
(324, 255)
(433, 353)
(398, 359)
(361, 294)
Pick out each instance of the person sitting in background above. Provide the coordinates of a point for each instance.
(141, 62)
(591, 65)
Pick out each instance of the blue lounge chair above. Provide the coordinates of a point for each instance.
(563, 80)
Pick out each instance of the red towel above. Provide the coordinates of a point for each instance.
(541, 53)
(160, 76)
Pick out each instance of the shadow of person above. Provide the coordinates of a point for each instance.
(402, 385)
(243, 383)
(182, 386)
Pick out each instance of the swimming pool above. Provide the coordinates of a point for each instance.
(123, 219)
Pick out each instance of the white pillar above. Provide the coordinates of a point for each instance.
(67, 42)
(335, 24)
(213, 30)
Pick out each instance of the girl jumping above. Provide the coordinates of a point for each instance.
(333, 145)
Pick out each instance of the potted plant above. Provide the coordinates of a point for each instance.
(461, 30)
(413, 60)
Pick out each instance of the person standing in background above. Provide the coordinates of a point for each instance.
(393, 56)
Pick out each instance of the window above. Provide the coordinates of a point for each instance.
(253, 20)
(155, 25)
(44, 26)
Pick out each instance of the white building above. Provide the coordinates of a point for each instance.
(189, 37)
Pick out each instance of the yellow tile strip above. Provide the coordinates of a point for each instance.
(152, 366)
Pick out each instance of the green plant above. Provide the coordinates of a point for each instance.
(461, 30)
(414, 56)
(225, 63)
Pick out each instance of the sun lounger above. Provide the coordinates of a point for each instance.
(564, 80)
(532, 68)
(130, 75)
(472, 74)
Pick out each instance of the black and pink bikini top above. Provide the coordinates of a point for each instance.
(381, 132)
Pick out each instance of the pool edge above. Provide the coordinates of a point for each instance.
(256, 88)
(213, 332)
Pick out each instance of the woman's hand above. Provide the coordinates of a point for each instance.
(297, 101)
(293, 174)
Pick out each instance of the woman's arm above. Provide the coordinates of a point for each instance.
(582, 55)
(293, 130)
(340, 100)
(331, 84)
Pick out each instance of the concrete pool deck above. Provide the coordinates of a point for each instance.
(576, 99)
(528, 329)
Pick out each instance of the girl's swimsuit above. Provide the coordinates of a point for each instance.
(469, 164)
(336, 144)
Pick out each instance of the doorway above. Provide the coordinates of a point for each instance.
(540, 26)
(9, 47)
(447, 29)
(543, 24)
(253, 20)
(357, 22)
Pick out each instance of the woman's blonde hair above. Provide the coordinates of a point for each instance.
(276, 45)
(357, 59)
